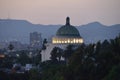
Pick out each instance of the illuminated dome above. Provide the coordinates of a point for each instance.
(67, 34)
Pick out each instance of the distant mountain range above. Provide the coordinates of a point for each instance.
(20, 29)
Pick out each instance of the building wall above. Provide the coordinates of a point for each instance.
(35, 40)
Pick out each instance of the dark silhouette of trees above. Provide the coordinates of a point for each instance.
(37, 57)
(94, 61)
(68, 52)
(24, 58)
(44, 44)
(34, 75)
(7, 62)
(56, 54)
(99, 61)
(10, 47)
(114, 73)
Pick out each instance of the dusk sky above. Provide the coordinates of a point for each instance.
(81, 12)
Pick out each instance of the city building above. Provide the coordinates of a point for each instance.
(35, 40)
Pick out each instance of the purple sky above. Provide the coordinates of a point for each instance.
(55, 11)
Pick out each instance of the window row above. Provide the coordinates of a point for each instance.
(68, 40)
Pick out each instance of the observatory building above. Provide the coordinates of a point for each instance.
(67, 34)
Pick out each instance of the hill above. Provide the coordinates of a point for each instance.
(19, 30)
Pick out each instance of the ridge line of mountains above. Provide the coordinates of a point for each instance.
(11, 29)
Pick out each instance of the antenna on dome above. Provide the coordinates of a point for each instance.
(67, 21)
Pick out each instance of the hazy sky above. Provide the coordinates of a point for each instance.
(55, 11)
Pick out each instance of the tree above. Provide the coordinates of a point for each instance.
(114, 73)
(54, 54)
(24, 59)
(68, 52)
(7, 62)
(34, 75)
(44, 44)
(10, 47)
(37, 58)
(100, 61)
(115, 44)
(59, 53)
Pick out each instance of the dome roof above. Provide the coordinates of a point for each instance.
(68, 30)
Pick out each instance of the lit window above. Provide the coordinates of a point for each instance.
(68, 40)
(54, 41)
(71, 42)
(65, 41)
(62, 41)
(80, 40)
(59, 41)
(76, 40)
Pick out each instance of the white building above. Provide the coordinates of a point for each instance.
(66, 34)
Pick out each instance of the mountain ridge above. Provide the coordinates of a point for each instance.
(20, 29)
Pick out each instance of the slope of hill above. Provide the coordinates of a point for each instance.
(20, 29)
(95, 31)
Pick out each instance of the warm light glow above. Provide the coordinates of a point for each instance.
(74, 40)
(2, 56)
(67, 40)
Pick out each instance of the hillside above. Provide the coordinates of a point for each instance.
(20, 29)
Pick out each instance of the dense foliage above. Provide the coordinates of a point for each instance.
(100, 61)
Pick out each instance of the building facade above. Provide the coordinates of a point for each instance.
(35, 40)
